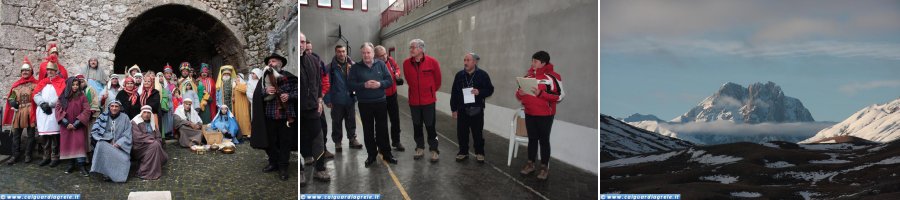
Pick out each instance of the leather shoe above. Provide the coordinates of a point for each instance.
(270, 168)
(369, 162)
(391, 160)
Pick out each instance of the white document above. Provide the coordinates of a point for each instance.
(526, 84)
(468, 97)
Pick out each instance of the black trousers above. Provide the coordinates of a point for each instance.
(393, 111)
(374, 121)
(324, 127)
(424, 115)
(539, 136)
(466, 124)
(343, 114)
(17, 141)
(311, 137)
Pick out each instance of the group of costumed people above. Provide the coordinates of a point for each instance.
(100, 121)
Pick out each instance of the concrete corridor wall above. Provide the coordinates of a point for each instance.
(505, 33)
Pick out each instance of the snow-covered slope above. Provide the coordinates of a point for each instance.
(636, 117)
(879, 123)
(658, 127)
(618, 140)
(757, 103)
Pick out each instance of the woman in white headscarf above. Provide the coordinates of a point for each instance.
(252, 80)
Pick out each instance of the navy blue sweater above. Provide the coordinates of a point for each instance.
(360, 73)
(478, 80)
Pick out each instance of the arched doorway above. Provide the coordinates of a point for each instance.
(173, 34)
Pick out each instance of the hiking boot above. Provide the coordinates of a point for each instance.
(302, 178)
(434, 156)
(545, 171)
(12, 160)
(399, 147)
(327, 155)
(54, 163)
(528, 168)
(308, 161)
(322, 176)
(460, 158)
(355, 144)
(419, 154)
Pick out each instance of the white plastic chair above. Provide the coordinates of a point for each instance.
(515, 140)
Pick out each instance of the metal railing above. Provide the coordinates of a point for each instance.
(399, 9)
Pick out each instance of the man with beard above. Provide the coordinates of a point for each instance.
(112, 156)
(275, 121)
(93, 72)
(188, 124)
(22, 106)
(147, 145)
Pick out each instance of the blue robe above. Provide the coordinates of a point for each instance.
(108, 160)
(226, 123)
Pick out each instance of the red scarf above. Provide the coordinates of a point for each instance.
(7, 119)
(148, 89)
(58, 83)
(131, 93)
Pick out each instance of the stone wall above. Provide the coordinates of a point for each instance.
(91, 28)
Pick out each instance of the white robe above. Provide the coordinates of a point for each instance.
(46, 124)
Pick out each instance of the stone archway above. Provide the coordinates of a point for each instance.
(173, 33)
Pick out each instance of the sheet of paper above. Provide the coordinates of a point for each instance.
(526, 84)
(468, 97)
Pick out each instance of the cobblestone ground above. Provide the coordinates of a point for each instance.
(448, 179)
(186, 175)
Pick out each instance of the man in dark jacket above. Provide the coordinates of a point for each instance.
(469, 115)
(341, 100)
(369, 78)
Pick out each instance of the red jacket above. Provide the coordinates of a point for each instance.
(394, 69)
(424, 80)
(551, 87)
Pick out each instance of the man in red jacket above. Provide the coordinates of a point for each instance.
(392, 108)
(539, 110)
(423, 73)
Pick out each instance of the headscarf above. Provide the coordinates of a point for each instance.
(251, 84)
(68, 92)
(148, 91)
(131, 93)
(222, 70)
(194, 117)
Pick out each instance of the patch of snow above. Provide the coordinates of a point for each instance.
(724, 179)
(890, 161)
(769, 144)
(746, 194)
(807, 176)
(832, 160)
(878, 148)
(840, 146)
(807, 195)
(779, 164)
(710, 159)
(640, 159)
